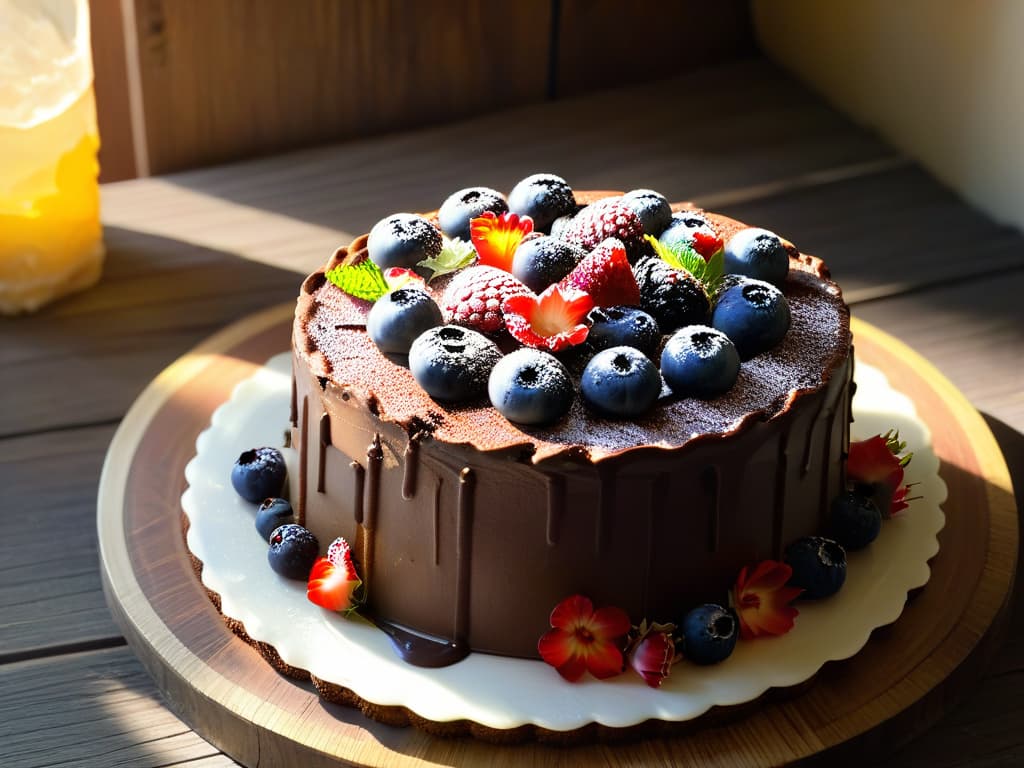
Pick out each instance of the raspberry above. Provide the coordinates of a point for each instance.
(474, 297)
(606, 276)
(604, 219)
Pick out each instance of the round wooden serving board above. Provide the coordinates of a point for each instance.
(908, 675)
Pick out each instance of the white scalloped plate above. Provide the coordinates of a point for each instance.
(506, 693)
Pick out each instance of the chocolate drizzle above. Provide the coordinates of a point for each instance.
(805, 464)
(464, 554)
(324, 442)
(303, 460)
(779, 502)
(605, 509)
(556, 508)
(437, 521)
(412, 465)
(710, 477)
(422, 650)
(365, 534)
(358, 482)
(293, 411)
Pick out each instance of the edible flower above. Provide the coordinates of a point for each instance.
(333, 581)
(582, 639)
(497, 237)
(653, 652)
(762, 599)
(876, 465)
(551, 321)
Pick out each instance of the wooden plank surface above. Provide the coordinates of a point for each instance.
(191, 252)
(105, 712)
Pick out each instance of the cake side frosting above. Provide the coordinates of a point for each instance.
(468, 528)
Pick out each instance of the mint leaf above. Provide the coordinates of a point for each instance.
(455, 255)
(683, 257)
(363, 280)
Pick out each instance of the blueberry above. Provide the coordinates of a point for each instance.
(700, 362)
(623, 327)
(855, 521)
(466, 204)
(259, 474)
(540, 261)
(672, 297)
(532, 387)
(819, 566)
(683, 227)
(543, 197)
(757, 253)
(397, 318)
(271, 515)
(709, 634)
(453, 363)
(754, 314)
(403, 240)
(293, 550)
(653, 209)
(620, 381)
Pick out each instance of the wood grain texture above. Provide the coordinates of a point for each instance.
(93, 710)
(113, 108)
(50, 595)
(228, 79)
(603, 43)
(896, 686)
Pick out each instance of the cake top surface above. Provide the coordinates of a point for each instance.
(330, 336)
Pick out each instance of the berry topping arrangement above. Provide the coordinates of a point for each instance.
(487, 277)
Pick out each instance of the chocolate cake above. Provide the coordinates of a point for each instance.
(468, 528)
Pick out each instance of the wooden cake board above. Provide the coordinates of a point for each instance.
(905, 678)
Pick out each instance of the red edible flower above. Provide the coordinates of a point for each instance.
(333, 580)
(762, 600)
(706, 243)
(584, 640)
(605, 274)
(497, 237)
(653, 653)
(551, 321)
(876, 464)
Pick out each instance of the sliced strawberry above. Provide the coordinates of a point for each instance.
(706, 243)
(400, 277)
(333, 579)
(605, 274)
(551, 321)
(497, 237)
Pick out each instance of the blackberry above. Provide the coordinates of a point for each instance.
(672, 297)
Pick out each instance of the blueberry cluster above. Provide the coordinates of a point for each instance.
(686, 336)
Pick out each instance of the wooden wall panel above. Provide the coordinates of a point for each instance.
(231, 78)
(113, 108)
(603, 43)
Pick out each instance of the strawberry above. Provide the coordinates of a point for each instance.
(551, 321)
(606, 275)
(333, 580)
(603, 219)
(475, 296)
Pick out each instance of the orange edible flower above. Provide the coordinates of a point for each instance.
(497, 237)
(762, 600)
(584, 640)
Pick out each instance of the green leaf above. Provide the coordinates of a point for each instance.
(683, 257)
(455, 255)
(363, 280)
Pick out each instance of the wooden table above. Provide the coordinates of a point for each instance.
(189, 253)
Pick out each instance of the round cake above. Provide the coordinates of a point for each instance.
(467, 528)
